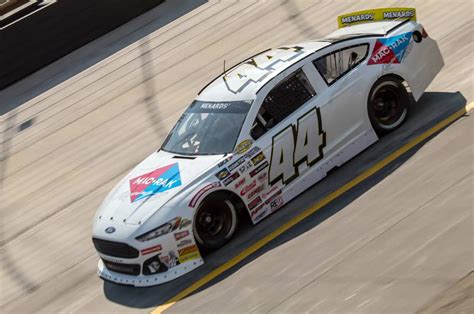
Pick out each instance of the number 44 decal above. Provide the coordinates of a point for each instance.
(303, 142)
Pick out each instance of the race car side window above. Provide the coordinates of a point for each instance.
(335, 65)
(281, 101)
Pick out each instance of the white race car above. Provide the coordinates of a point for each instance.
(257, 136)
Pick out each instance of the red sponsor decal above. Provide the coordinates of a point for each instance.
(271, 198)
(240, 183)
(203, 191)
(254, 213)
(269, 192)
(182, 234)
(254, 202)
(187, 250)
(255, 191)
(152, 249)
(248, 188)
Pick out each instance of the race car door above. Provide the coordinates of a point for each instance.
(288, 129)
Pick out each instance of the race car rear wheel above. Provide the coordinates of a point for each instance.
(388, 105)
(215, 223)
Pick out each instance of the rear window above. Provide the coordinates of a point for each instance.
(335, 65)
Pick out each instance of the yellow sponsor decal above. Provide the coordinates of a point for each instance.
(188, 253)
(243, 147)
(374, 15)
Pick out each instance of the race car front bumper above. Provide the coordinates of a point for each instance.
(147, 280)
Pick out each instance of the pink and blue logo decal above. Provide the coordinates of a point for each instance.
(390, 50)
(157, 181)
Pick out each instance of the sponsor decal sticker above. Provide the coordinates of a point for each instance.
(271, 198)
(215, 105)
(257, 170)
(276, 203)
(262, 177)
(257, 211)
(152, 249)
(247, 188)
(260, 216)
(245, 167)
(390, 50)
(256, 191)
(399, 14)
(243, 147)
(184, 242)
(203, 191)
(258, 158)
(373, 15)
(253, 203)
(357, 18)
(188, 253)
(182, 234)
(252, 152)
(222, 174)
(240, 183)
(157, 181)
(170, 260)
(184, 223)
(223, 162)
(269, 192)
(236, 163)
(230, 179)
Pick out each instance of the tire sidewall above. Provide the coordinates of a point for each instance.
(210, 246)
(403, 100)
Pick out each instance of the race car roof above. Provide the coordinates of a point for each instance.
(242, 81)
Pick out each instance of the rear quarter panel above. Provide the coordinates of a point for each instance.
(418, 63)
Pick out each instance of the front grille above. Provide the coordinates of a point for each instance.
(115, 249)
(128, 269)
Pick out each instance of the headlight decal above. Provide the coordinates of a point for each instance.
(161, 230)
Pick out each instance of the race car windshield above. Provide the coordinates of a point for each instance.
(207, 128)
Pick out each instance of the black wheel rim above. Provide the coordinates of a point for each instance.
(386, 106)
(213, 223)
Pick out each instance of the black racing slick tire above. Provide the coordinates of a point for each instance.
(215, 222)
(388, 105)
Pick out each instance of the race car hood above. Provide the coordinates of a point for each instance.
(151, 184)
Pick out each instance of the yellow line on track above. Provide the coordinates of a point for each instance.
(315, 207)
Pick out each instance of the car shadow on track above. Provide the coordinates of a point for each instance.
(430, 109)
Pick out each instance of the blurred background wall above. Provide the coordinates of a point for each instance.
(34, 33)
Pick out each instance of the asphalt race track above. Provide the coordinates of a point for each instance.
(395, 242)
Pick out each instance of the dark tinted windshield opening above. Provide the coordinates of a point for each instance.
(207, 128)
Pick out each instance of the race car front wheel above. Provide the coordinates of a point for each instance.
(215, 223)
(388, 105)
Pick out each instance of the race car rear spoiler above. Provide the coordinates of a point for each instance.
(376, 15)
